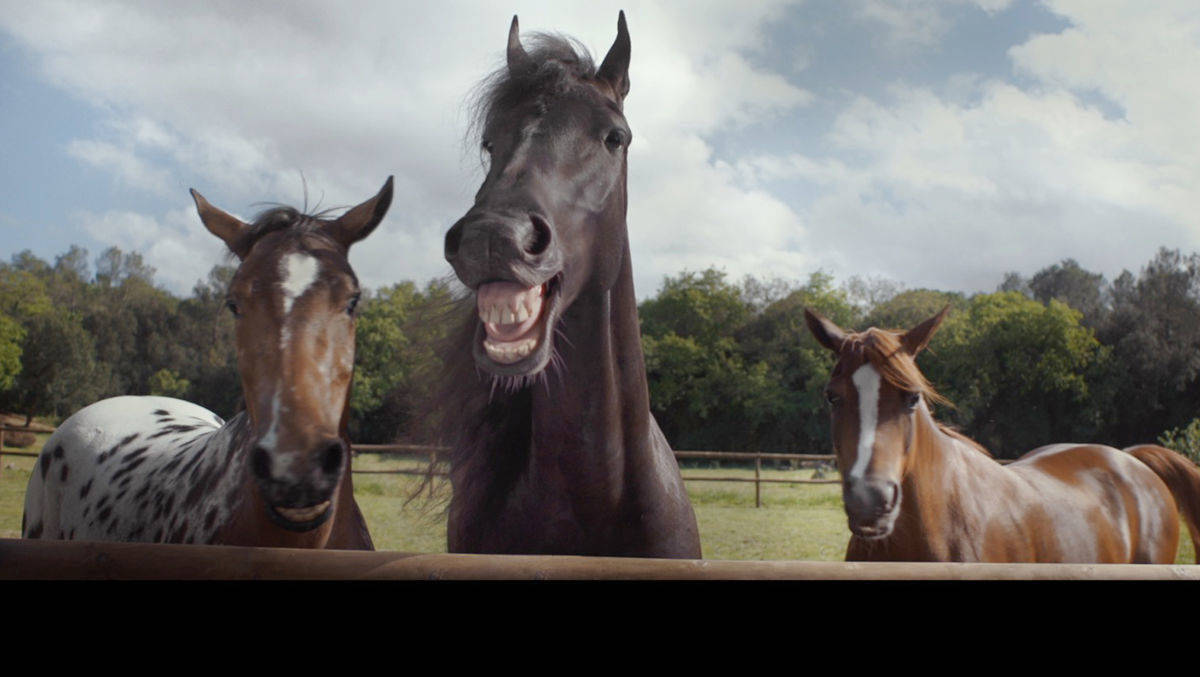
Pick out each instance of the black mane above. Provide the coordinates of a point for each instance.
(280, 218)
(556, 64)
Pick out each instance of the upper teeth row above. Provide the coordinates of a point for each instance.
(504, 315)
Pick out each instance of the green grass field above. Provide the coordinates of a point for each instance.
(801, 522)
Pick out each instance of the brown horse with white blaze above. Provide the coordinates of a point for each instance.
(915, 490)
(160, 469)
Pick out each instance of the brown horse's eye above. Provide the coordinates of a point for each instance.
(911, 399)
(832, 397)
(353, 303)
(233, 307)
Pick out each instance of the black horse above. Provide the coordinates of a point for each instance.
(554, 447)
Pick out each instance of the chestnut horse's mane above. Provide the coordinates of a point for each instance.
(883, 349)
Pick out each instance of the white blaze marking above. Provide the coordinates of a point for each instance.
(296, 272)
(866, 379)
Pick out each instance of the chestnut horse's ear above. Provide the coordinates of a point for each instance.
(826, 332)
(517, 57)
(615, 69)
(225, 226)
(915, 339)
(358, 223)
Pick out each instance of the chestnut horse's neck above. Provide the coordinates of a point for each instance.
(944, 496)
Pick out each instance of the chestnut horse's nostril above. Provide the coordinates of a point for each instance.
(331, 458)
(453, 238)
(542, 236)
(260, 463)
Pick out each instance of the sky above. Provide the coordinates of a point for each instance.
(937, 143)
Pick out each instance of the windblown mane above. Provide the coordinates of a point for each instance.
(884, 351)
(556, 64)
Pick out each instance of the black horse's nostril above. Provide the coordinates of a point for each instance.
(542, 235)
(453, 238)
(331, 458)
(260, 463)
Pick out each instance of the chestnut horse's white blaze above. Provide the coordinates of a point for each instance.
(866, 381)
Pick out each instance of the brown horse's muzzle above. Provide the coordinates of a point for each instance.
(300, 497)
(872, 505)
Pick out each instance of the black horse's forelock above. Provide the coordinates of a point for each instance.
(556, 64)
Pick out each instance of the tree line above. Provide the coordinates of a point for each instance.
(1062, 356)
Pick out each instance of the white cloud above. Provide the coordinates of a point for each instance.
(242, 98)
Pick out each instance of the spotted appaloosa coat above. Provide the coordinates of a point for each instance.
(130, 468)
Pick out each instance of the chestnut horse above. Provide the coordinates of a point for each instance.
(159, 469)
(915, 490)
(568, 462)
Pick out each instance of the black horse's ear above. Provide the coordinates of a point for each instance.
(826, 332)
(615, 69)
(915, 339)
(359, 221)
(517, 56)
(222, 224)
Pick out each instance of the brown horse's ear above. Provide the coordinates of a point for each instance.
(517, 57)
(615, 69)
(915, 339)
(826, 332)
(358, 223)
(225, 226)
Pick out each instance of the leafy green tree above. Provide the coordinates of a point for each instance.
(167, 383)
(11, 335)
(1018, 372)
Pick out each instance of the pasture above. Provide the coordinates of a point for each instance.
(799, 522)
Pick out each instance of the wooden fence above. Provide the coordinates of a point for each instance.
(757, 458)
(85, 560)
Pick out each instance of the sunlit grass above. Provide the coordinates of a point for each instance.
(796, 521)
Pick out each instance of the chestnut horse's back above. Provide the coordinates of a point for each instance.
(1181, 476)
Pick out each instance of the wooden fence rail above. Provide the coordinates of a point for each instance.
(84, 560)
(432, 470)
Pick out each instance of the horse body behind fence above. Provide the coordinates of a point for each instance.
(554, 447)
(277, 474)
(915, 490)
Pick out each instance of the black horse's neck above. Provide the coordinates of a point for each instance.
(575, 464)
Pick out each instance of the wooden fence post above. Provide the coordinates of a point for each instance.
(757, 484)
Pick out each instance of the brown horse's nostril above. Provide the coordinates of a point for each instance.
(453, 238)
(260, 463)
(331, 458)
(542, 235)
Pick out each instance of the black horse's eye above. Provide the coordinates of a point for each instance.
(911, 399)
(486, 146)
(233, 307)
(615, 139)
(353, 303)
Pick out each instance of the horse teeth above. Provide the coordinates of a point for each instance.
(522, 313)
(507, 317)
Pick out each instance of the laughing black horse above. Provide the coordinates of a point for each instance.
(554, 447)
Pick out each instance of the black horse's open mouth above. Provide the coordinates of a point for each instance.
(515, 324)
(301, 519)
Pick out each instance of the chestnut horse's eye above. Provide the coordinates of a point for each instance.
(233, 307)
(353, 303)
(911, 399)
(832, 397)
(615, 139)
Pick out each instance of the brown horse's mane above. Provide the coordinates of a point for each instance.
(884, 350)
